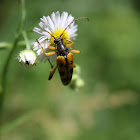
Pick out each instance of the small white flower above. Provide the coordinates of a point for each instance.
(55, 25)
(27, 58)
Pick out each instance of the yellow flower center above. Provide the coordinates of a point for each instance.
(57, 34)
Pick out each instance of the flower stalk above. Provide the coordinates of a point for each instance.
(6, 65)
(26, 40)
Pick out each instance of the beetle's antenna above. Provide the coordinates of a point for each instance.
(50, 34)
(72, 22)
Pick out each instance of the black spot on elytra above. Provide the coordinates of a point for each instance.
(62, 73)
(71, 71)
(64, 80)
(61, 65)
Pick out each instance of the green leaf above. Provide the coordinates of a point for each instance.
(4, 45)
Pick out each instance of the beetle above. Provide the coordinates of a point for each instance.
(65, 58)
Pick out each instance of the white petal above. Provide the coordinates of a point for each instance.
(48, 30)
(69, 30)
(63, 19)
(73, 37)
(39, 31)
(42, 25)
(69, 20)
(44, 20)
(53, 18)
(43, 42)
(50, 24)
(57, 19)
(73, 32)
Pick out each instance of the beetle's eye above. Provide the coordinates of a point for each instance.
(55, 41)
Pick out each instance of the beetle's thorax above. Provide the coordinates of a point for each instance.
(61, 47)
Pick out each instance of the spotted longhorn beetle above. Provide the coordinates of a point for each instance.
(65, 58)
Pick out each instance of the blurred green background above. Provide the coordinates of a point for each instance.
(108, 106)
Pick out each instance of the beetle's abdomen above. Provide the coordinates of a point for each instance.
(65, 68)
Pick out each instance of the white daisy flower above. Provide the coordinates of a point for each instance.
(55, 25)
(27, 58)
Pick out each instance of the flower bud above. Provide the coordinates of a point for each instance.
(27, 58)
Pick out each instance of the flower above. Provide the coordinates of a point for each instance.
(55, 25)
(27, 58)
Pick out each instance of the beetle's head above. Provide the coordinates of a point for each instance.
(57, 40)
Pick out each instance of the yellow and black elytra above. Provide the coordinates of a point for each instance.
(65, 58)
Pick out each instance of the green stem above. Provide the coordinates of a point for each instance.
(4, 73)
(6, 45)
(22, 17)
(26, 40)
(5, 69)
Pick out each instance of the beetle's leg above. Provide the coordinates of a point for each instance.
(71, 42)
(47, 54)
(50, 53)
(40, 46)
(74, 51)
(52, 73)
(50, 47)
(50, 63)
